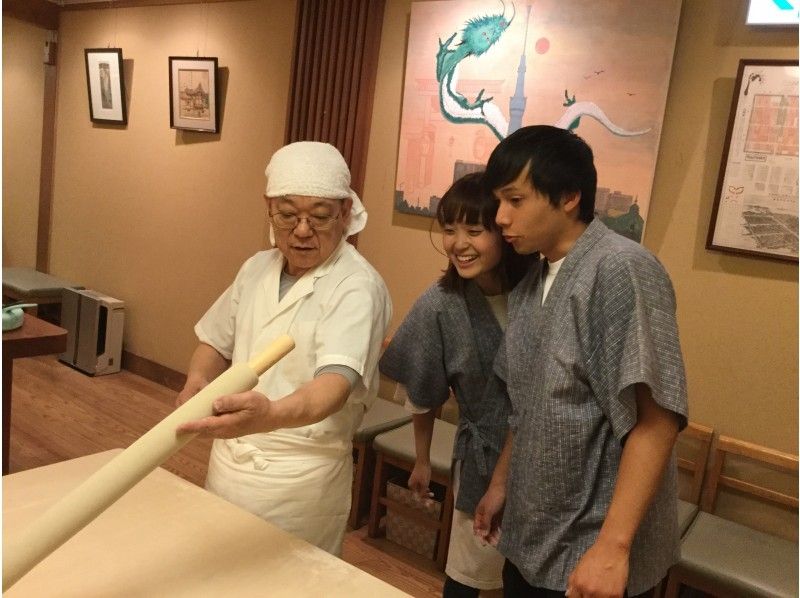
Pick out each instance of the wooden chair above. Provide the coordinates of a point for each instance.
(696, 439)
(395, 451)
(382, 416)
(725, 558)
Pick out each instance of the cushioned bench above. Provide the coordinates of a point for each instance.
(726, 558)
(31, 286)
(759, 565)
(686, 514)
(381, 417)
(27, 284)
(396, 449)
(694, 445)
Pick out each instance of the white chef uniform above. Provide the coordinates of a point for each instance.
(299, 478)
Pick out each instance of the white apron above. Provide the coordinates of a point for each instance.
(297, 484)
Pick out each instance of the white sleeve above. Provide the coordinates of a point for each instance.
(352, 327)
(217, 327)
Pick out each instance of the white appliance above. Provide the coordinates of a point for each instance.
(94, 331)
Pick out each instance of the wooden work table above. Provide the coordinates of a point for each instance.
(34, 337)
(168, 537)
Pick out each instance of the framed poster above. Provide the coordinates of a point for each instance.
(193, 94)
(478, 70)
(106, 85)
(755, 206)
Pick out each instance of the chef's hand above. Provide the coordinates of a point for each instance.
(234, 415)
(191, 388)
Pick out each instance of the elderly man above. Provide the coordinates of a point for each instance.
(284, 450)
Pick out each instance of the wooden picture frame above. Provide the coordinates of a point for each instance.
(105, 82)
(194, 94)
(755, 208)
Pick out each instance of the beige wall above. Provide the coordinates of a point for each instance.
(737, 315)
(23, 99)
(159, 218)
(162, 219)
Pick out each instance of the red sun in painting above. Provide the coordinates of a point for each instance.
(542, 45)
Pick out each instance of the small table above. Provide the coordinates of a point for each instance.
(34, 337)
(168, 537)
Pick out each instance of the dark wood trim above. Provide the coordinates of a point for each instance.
(39, 12)
(46, 15)
(47, 165)
(155, 372)
(366, 95)
(8, 372)
(135, 4)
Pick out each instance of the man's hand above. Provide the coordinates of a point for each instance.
(489, 513)
(603, 569)
(420, 479)
(234, 415)
(602, 572)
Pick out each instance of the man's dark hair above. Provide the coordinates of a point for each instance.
(470, 201)
(559, 163)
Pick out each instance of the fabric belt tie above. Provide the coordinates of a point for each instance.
(241, 452)
(477, 443)
(262, 449)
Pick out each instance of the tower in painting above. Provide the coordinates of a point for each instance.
(516, 105)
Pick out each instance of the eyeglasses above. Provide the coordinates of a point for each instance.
(289, 221)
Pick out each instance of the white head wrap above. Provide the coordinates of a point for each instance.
(315, 169)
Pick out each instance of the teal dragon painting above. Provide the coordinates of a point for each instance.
(477, 37)
(477, 70)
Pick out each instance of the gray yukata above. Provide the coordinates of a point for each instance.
(607, 323)
(449, 339)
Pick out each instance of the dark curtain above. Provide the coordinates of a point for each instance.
(333, 77)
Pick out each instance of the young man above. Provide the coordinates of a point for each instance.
(285, 448)
(586, 484)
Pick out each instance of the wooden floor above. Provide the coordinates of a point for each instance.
(59, 413)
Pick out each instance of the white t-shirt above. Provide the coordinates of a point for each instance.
(552, 270)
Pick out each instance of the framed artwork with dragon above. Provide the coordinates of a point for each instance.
(755, 206)
(477, 70)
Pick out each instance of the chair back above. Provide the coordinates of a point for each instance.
(755, 472)
(694, 446)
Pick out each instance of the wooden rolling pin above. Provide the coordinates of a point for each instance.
(78, 508)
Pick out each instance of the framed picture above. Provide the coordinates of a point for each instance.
(755, 207)
(193, 97)
(466, 90)
(106, 85)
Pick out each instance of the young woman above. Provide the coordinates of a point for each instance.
(448, 342)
